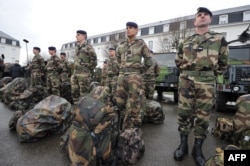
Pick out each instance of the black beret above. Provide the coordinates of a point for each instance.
(111, 48)
(52, 48)
(63, 53)
(132, 24)
(81, 32)
(203, 9)
(37, 48)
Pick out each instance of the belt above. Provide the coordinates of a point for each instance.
(198, 73)
(84, 68)
(130, 70)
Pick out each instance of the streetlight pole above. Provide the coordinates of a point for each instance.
(26, 41)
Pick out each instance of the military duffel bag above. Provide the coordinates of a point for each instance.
(223, 129)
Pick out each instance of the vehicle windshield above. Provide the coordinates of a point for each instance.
(167, 59)
(239, 53)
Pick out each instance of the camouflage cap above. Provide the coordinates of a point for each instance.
(112, 48)
(203, 9)
(37, 48)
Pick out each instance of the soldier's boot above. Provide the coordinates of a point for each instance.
(197, 152)
(182, 150)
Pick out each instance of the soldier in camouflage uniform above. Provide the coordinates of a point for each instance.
(85, 61)
(149, 79)
(53, 70)
(37, 67)
(112, 72)
(104, 73)
(65, 73)
(199, 58)
(129, 85)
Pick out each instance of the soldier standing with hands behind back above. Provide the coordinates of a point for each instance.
(129, 56)
(199, 57)
(85, 61)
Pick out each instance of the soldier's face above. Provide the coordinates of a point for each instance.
(202, 19)
(62, 57)
(52, 52)
(80, 37)
(35, 51)
(131, 31)
(111, 52)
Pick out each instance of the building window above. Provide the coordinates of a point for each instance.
(3, 40)
(107, 38)
(246, 16)
(139, 32)
(150, 45)
(183, 25)
(223, 19)
(151, 30)
(166, 28)
(99, 40)
(91, 41)
(117, 36)
(14, 42)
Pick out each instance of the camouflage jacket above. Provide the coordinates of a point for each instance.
(113, 67)
(153, 71)
(37, 63)
(207, 52)
(130, 55)
(104, 71)
(85, 57)
(53, 65)
(64, 65)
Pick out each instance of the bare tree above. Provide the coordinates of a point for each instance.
(178, 29)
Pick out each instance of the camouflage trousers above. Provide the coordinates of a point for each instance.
(53, 83)
(36, 78)
(196, 97)
(128, 99)
(149, 88)
(112, 84)
(104, 81)
(80, 84)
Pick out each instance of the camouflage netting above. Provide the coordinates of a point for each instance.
(49, 116)
(241, 119)
(13, 89)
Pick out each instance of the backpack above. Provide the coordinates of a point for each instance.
(88, 141)
(49, 116)
(242, 117)
(4, 81)
(131, 146)
(13, 89)
(153, 112)
(223, 129)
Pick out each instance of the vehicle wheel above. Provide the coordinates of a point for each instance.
(176, 96)
(220, 103)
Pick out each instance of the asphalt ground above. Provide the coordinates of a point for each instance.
(160, 142)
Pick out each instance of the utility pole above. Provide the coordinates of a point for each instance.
(26, 41)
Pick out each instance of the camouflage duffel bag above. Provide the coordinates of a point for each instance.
(4, 81)
(100, 93)
(223, 129)
(131, 146)
(88, 141)
(49, 116)
(153, 112)
(244, 142)
(241, 119)
(218, 159)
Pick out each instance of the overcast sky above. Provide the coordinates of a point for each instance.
(54, 22)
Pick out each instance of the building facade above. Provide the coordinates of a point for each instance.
(163, 36)
(9, 47)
